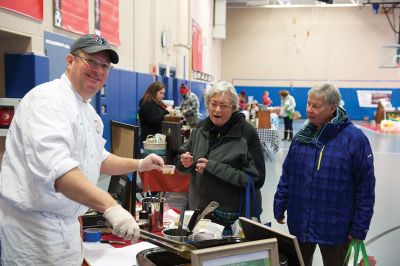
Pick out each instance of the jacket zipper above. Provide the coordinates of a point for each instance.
(320, 157)
(306, 234)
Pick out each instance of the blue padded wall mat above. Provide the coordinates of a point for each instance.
(56, 47)
(143, 82)
(105, 104)
(128, 97)
(119, 101)
(113, 88)
(23, 72)
(175, 87)
(198, 89)
(299, 93)
(169, 88)
(349, 96)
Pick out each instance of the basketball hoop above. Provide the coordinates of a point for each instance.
(398, 69)
(390, 56)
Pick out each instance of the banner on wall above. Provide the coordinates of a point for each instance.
(72, 15)
(370, 98)
(197, 47)
(106, 20)
(29, 8)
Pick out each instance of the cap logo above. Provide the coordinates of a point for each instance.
(100, 40)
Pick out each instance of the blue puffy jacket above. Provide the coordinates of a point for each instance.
(327, 185)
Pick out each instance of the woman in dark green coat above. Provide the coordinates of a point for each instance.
(222, 152)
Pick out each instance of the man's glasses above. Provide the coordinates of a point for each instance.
(222, 106)
(95, 63)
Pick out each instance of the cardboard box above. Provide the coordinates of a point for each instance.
(264, 119)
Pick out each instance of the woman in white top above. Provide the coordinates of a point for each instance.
(288, 104)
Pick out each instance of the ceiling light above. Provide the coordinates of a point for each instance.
(257, 3)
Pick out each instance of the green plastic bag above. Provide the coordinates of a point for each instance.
(358, 246)
(290, 115)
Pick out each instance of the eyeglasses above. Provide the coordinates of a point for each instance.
(95, 63)
(222, 106)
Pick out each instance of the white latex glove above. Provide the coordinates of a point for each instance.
(122, 222)
(150, 162)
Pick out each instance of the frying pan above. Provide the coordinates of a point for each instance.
(180, 248)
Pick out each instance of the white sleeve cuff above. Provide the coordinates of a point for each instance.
(59, 170)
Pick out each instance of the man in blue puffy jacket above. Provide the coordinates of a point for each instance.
(327, 185)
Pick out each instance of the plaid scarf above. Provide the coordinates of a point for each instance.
(309, 132)
(226, 219)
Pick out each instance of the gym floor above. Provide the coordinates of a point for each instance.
(383, 239)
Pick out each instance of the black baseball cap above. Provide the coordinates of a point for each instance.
(92, 43)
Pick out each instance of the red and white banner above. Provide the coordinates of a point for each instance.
(30, 8)
(72, 15)
(197, 47)
(106, 20)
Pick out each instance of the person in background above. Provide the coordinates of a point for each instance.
(327, 185)
(152, 110)
(242, 100)
(266, 100)
(190, 105)
(246, 112)
(253, 111)
(288, 104)
(54, 156)
(221, 153)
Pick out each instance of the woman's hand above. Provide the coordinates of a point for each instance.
(201, 165)
(281, 220)
(169, 108)
(187, 159)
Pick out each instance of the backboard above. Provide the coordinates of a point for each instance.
(389, 56)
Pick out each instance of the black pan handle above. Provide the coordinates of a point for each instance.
(193, 219)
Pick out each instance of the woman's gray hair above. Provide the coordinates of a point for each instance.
(328, 91)
(222, 87)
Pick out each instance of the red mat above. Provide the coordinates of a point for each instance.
(377, 128)
(157, 181)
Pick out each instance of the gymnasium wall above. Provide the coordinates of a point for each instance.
(295, 48)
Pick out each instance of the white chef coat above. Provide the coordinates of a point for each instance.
(53, 131)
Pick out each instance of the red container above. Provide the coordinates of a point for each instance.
(6, 115)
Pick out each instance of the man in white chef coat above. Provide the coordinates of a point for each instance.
(54, 156)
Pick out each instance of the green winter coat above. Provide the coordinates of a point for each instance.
(232, 157)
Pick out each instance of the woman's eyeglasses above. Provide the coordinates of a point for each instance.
(95, 63)
(222, 106)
